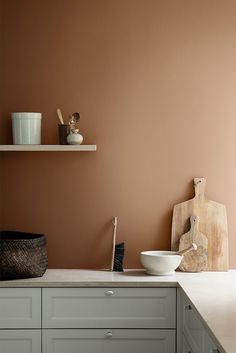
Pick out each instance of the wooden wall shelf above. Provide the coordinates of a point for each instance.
(48, 148)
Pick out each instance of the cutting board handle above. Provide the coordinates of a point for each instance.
(199, 187)
(194, 221)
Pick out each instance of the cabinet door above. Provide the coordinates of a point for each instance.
(109, 307)
(192, 326)
(108, 341)
(186, 348)
(20, 308)
(192, 335)
(209, 345)
(20, 341)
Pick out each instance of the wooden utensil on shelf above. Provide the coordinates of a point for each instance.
(59, 114)
(213, 224)
(194, 261)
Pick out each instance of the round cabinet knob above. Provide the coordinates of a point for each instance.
(188, 307)
(108, 334)
(109, 293)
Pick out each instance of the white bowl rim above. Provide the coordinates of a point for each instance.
(160, 253)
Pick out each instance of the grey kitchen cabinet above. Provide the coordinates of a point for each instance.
(20, 320)
(90, 320)
(109, 307)
(20, 341)
(192, 335)
(100, 320)
(20, 308)
(109, 320)
(108, 341)
(185, 347)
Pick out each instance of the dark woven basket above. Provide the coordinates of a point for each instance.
(22, 255)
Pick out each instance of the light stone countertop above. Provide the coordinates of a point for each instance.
(94, 278)
(213, 294)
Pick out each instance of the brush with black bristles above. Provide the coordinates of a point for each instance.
(118, 251)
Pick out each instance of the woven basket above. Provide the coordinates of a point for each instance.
(22, 255)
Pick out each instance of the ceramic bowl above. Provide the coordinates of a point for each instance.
(160, 263)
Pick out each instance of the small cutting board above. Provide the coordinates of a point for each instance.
(195, 260)
(212, 223)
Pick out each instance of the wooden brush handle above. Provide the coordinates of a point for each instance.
(114, 222)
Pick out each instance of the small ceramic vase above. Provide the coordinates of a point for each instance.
(74, 138)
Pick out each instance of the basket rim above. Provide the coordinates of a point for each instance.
(14, 236)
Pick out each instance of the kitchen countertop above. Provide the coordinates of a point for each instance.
(213, 294)
(97, 278)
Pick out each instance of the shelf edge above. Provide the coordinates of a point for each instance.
(48, 148)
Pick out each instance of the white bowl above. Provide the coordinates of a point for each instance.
(160, 263)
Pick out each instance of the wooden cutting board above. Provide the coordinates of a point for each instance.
(213, 224)
(195, 260)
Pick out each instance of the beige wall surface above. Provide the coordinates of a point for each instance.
(155, 83)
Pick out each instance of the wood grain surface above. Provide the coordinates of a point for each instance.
(212, 223)
(195, 260)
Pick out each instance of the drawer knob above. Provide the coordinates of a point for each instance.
(188, 307)
(108, 334)
(109, 293)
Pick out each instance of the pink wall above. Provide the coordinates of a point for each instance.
(154, 81)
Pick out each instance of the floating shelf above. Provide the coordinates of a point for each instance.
(48, 148)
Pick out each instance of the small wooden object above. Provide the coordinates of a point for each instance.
(118, 251)
(213, 224)
(114, 222)
(183, 252)
(194, 261)
(59, 114)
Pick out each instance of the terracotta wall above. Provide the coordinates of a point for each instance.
(1, 107)
(154, 81)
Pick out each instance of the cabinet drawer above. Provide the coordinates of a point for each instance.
(192, 326)
(109, 307)
(20, 307)
(20, 341)
(107, 341)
